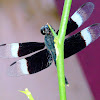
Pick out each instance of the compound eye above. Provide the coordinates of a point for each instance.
(42, 30)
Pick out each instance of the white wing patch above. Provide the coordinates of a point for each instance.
(86, 36)
(23, 66)
(14, 49)
(76, 17)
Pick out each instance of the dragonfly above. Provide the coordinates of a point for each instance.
(45, 52)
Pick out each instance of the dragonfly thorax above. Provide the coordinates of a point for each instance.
(49, 43)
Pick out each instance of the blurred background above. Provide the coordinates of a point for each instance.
(20, 21)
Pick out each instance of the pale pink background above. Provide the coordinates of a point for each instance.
(20, 21)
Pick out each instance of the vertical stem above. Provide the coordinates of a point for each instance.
(64, 20)
(59, 45)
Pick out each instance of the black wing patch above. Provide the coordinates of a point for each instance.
(14, 50)
(80, 40)
(27, 48)
(32, 64)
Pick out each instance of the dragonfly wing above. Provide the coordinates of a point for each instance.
(14, 50)
(79, 17)
(32, 64)
(80, 40)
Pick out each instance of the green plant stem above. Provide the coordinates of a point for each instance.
(53, 32)
(59, 45)
(28, 94)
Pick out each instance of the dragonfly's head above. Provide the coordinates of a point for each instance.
(45, 30)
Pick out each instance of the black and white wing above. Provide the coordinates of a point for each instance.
(43, 59)
(73, 44)
(32, 64)
(14, 50)
(81, 40)
(79, 17)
